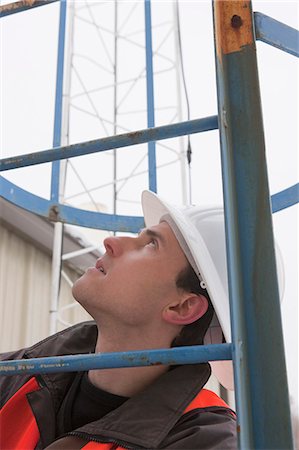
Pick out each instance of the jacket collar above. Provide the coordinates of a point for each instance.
(145, 419)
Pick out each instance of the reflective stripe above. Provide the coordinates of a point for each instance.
(17, 422)
(97, 446)
(205, 399)
(102, 446)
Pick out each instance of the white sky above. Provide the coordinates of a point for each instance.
(28, 61)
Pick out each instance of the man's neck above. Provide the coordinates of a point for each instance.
(126, 381)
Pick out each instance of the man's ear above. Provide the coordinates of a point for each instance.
(191, 308)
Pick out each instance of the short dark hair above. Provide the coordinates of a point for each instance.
(193, 333)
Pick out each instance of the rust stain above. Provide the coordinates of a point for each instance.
(135, 136)
(143, 359)
(54, 213)
(233, 26)
(16, 5)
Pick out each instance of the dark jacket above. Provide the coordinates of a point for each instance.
(152, 419)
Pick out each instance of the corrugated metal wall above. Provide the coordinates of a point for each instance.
(25, 277)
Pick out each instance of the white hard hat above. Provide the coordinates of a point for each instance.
(204, 235)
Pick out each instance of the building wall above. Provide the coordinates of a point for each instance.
(25, 289)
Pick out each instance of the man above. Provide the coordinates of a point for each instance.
(150, 291)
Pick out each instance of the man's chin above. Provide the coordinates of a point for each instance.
(80, 294)
(79, 290)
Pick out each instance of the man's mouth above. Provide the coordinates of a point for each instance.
(100, 267)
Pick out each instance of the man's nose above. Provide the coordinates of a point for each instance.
(116, 245)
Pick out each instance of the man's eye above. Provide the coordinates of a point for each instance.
(153, 243)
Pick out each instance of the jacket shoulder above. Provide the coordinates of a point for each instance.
(213, 428)
(80, 338)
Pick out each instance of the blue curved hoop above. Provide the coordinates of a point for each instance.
(68, 214)
(103, 221)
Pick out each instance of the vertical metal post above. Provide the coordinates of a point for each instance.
(58, 100)
(178, 68)
(115, 106)
(150, 95)
(259, 361)
(58, 172)
(55, 275)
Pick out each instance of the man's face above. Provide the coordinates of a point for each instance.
(135, 279)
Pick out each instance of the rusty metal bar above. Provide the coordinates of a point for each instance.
(24, 5)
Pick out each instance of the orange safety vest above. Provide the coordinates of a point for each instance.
(19, 429)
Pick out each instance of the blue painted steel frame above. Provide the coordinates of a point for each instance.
(111, 142)
(55, 179)
(168, 356)
(285, 198)
(103, 221)
(259, 362)
(152, 172)
(276, 34)
(68, 214)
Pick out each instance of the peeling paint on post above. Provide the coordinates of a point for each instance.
(229, 18)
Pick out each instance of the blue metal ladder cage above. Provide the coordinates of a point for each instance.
(263, 412)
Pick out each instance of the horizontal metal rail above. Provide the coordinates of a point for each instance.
(286, 198)
(73, 363)
(276, 34)
(24, 5)
(111, 142)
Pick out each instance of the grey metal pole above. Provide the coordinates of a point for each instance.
(178, 68)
